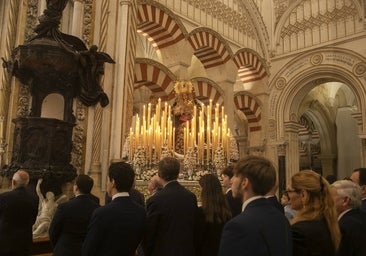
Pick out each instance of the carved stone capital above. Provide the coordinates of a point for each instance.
(281, 148)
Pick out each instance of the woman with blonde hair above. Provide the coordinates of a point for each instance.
(213, 214)
(315, 229)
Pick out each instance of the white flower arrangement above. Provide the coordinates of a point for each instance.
(197, 175)
(126, 148)
(139, 160)
(234, 152)
(220, 161)
(146, 175)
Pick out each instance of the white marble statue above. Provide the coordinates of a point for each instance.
(46, 210)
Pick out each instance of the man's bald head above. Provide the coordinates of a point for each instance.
(20, 179)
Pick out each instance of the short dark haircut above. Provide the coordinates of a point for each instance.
(123, 175)
(362, 177)
(84, 183)
(169, 168)
(228, 171)
(259, 171)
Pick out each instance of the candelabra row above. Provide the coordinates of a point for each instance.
(207, 142)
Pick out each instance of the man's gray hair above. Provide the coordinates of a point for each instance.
(347, 188)
(21, 178)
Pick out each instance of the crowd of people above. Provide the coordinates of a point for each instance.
(313, 216)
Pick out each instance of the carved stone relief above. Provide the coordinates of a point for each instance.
(281, 149)
(272, 129)
(316, 59)
(360, 69)
(23, 108)
(280, 83)
(313, 22)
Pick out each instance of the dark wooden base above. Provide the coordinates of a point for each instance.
(41, 246)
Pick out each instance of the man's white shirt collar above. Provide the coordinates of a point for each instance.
(343, 213)
(120, 194)
(250, 200)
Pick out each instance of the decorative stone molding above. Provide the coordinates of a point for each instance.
(281, 148)
(281, 83)
(280, 6)
(308, 23)
(359, 69)
(272, 129)
(316, 59)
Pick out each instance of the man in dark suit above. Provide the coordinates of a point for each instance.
(352, 222)
(171, 215)
(135, 195)
(116, 228)
(260, 229)
(359, 177)
(234, 203)
(272, 198)
(69, 224)
(18, 212)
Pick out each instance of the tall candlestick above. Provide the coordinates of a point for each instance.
(1, 127)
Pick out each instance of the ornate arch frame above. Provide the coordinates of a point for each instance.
(298, 77)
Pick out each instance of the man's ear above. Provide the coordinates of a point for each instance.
(244, 183)
(346, 201)
(113, 182)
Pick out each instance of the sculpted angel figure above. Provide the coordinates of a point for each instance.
(47, 208)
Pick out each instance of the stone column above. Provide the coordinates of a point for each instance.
(292, 156)
(362, 136)
(124, 76)
(228, 88)
(328, 163)
(363, 150)
(7, 43)
(243, 145)
(97, 112)
(77, 18)
(281, 156)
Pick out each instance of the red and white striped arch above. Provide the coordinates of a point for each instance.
(204, 91)
(252, 110)
(161, 29)
(250, 66)
(154, 77)
(208, 48)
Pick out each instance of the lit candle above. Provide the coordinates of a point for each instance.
(1, 127)
(148, 114)
(158, 110)
(131, 144)
(173, 134)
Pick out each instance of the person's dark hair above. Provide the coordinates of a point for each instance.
(228, 171)
(331, 178)
(84, 183)
(362, 178)
(123, 175)
(168, 168)
(214, 203)
(259, 171)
